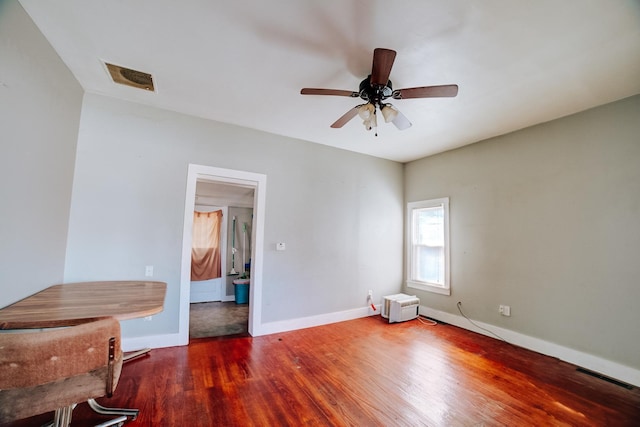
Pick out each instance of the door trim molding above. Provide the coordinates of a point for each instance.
(227, 176)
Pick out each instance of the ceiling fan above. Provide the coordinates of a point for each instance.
(377, 88)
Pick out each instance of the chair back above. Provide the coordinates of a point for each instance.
(43, 370)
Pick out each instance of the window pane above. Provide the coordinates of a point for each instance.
(428, 245)
(430, 226)
(429, 264)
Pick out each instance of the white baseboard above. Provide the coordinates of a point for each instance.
(597, 364)
(198, 298)
(311, 321)
(209, 297)
(173, 340)
(152, 341)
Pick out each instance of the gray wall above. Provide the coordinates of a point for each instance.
(340, 213)
(40, 104)
(547, 220)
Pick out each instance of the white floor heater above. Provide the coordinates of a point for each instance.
(400, 307)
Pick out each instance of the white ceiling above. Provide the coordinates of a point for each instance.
(218, 194)
(517, 62)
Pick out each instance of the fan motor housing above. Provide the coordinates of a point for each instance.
(374, 94)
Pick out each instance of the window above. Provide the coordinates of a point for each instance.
(428, 245)
(205, 250)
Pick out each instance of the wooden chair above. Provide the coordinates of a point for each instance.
(54, 369)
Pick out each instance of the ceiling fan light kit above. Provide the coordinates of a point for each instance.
(367, 113)
(376, 88)
(389, 112)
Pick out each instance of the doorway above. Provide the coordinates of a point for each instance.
(215, 308)
(232, 180)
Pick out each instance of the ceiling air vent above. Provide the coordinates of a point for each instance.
(129, 77)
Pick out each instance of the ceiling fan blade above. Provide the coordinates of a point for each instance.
(334, 92)
(426, 92)
(401, 121)
(346, 117)
(382, 63)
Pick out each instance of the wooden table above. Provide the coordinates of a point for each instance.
(74, 303)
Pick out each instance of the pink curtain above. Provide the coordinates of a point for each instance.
(205, 250)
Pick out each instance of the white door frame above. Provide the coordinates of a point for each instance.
(247, 179)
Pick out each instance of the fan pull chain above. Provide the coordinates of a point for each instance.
(376, 122)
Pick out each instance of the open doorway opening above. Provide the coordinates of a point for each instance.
(221, 259)
(243, 196)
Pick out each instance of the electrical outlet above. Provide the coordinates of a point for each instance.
(505, 310)
(148, 271)
(370, 300)
(148, 318)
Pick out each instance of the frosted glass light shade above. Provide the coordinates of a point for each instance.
(366, 111)
(389, 113)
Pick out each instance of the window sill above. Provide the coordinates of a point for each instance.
(429, 288)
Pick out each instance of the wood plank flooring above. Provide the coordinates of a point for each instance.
(363, 372)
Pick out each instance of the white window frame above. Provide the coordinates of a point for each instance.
(412, 282)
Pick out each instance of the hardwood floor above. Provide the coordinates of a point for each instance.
(363, 372)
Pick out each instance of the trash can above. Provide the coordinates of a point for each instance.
(241, 288)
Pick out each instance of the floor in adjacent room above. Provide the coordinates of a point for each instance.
(214, 319)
